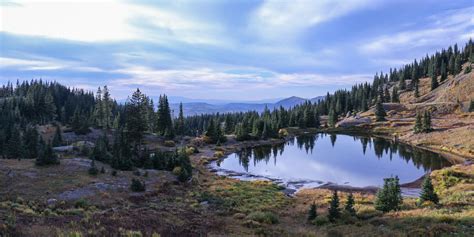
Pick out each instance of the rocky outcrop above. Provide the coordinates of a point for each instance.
(353, 121)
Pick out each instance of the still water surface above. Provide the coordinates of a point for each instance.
(314, 160)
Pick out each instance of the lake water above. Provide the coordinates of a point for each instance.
(314, 160)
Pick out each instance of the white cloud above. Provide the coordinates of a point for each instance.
(44, 64)
(209, 78)
(455, 26)
(288, 18)
(102, 20)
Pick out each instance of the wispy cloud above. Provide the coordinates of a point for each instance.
(286, 19)
(446, 28)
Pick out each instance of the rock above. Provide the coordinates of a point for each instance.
(204, 203)
(239, 216)
(51, 202)
(351, 122)
(63, 149)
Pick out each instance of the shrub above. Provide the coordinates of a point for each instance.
(320, 220)
(81, 203)
(93, 169)
(137, 185)
(263, 217)
(169, 143)
(218, 154)
(102, 170)
(114, 172)
(365, 213)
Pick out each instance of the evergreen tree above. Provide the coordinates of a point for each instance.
(136, 122)
(395, 96)
(180, 121)
(107, 108)
(164, 122)
(14, 146)
(471, 106)
(426, 126)
(31, 142)
(99, 109)
(317, 120)
(402, 84)
(418, 128)
(379, 111)
(47, 156)
(427, 191)
(312, 214)
(58, 138)
(122, 154)
(333, 211)
(434, 82)
(389, 197)
(93, 169)
(417, 92)
(451, 65)
(332, 118)
(350, 205)
(457, 64)
(444, 72)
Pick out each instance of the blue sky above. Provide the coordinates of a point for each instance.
(217, 49)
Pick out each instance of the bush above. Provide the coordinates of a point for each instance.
(263, 217)
(114, 172)
(102, 170)
(137, 185)
(81, 203)
(366, 213)
(218, 154)
(169, 143)
(93, 169)
(320, 220)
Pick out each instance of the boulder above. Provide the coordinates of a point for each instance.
(353, 121)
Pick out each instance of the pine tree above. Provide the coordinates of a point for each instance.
(312, 213)
(426, 125)
(31, 142)
(58, 138)
(379, 111)
(451, 65)
(417, 92)
(389, 197)
(457, 65)
(444, 73)
(180, 121)
(99, 109)
(47, 156)
(434, 82)
(333, 211)
(164, 123)
(15, 145)
(136, 122)
(402, 84)
(395, 96)
(427, 191)
(418, 128)
(93, 169)
(317, 120)
(107, 108)
(350, 205)
(471, 106)
(332, 118)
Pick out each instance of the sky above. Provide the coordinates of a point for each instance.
(221, 49)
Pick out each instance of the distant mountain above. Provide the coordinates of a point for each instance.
(196, 108)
